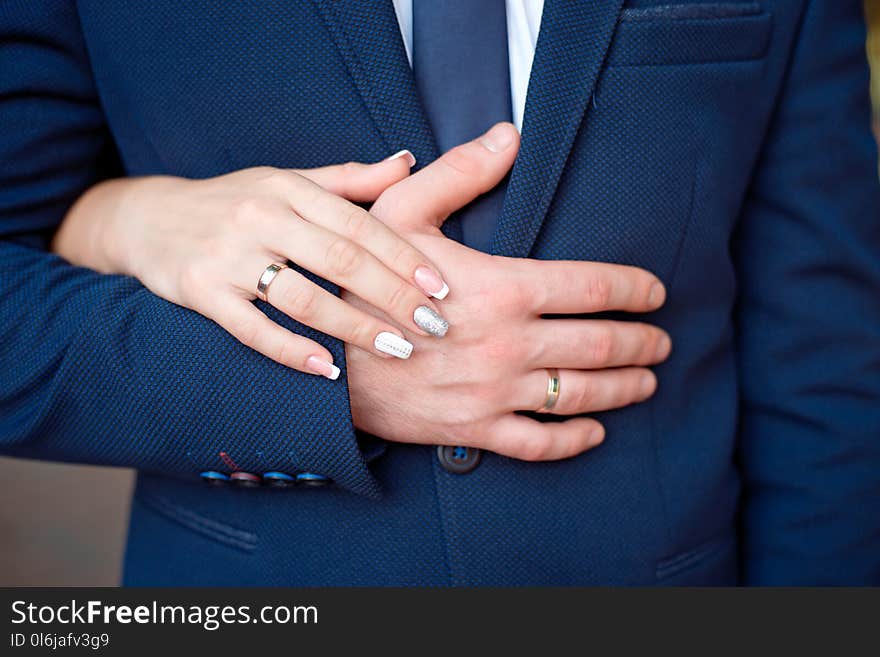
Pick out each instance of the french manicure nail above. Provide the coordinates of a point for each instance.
(404, 153)
(394, 345)
(428, 320)
(322, 367)
(431, 283)
(498, 138)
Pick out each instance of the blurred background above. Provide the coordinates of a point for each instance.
(63, 525)
(872, 9)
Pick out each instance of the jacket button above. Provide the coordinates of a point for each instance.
(311, 479)
(458, 459)
(245, 479)
(278, 480)
(214, 478)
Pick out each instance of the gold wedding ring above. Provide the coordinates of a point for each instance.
(266, 278)
(552, 389)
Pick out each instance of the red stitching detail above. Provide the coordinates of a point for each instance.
(232, 465)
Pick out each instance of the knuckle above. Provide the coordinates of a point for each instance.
(344, 257)
(486, 399)
(465, 161)
(308, 194)
(462, 426)
(350, 168)
(535, 449)
(598, 291)
(288, 354)
(398, 299)
(357, 223)
(278, 176)
(601, 346)
(245, 330)
(405, 257)
(361, 332)
(466, 429)
(279, 180)
(584, 397)
(247, 212)
(300, 301)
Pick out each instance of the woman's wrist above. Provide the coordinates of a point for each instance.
(127, 207)
(116, 240)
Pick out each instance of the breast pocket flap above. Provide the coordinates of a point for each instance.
(691, 34)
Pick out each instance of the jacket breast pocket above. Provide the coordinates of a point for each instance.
(690, 33)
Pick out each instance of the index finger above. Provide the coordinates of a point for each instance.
(572, 287)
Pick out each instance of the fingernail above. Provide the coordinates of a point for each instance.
(657, 295)
(498, 138)
(322, 367)
(664, 346)
(431, 283)
(597, 434)
(428, 320)
(647, 386)
(394, 345)
(404, 153)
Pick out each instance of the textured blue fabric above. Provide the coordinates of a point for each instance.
(460, 64)
(736, 166)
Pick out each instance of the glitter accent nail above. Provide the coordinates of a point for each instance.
(429, 321)
(393, 345)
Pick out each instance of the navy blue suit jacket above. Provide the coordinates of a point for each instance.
(724, 146)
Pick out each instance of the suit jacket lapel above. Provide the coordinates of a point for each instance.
(367, 35)
(571, 48)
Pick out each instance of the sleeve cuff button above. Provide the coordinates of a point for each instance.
(214, 478)
(311, 479)
(245, 479)
(278, 480)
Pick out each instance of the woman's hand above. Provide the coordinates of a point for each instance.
(204, 244)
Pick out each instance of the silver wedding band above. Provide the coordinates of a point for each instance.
(552, 389)
(266, 278)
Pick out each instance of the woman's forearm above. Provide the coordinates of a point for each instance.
(92, 234)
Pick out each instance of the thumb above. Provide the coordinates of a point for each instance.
(428, 197)
(361, 182)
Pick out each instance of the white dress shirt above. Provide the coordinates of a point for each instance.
(523, 23)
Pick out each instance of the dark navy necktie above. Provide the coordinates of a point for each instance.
(462, 73)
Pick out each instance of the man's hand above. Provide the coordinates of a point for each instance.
(465, 389)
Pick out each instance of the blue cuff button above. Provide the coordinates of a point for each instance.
(214, 478)
(245, 479)
(278, 479)
(311, 479)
